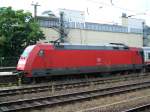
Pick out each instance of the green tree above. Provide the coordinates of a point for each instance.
(18, 29)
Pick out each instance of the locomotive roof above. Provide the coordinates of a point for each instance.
(91, 47)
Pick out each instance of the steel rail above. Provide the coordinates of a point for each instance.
(61, 85)
(69, 97)
(138, 108)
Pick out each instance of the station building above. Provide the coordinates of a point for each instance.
(94, 33)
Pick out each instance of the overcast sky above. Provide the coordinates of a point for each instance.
(101, 11)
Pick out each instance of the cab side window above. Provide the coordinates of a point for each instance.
(41, 53)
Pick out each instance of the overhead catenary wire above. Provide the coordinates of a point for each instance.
(113, 5)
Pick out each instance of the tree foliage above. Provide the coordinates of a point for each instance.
(18, 29)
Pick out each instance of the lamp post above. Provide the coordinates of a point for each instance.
(35, 5)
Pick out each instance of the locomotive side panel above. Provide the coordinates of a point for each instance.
(78, 61)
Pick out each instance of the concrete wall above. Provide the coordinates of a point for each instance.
(79, 36)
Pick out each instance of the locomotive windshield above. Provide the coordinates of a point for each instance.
(27, 51)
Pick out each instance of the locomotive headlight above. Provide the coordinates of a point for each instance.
(21, 63)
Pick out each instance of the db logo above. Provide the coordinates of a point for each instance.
(99, 60)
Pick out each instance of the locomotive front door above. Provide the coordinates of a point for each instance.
(42, 58)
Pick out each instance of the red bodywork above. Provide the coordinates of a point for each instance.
(77, 58)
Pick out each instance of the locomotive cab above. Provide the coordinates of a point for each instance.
(33, 61)
(23, 58)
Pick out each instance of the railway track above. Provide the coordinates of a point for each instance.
(140, 108)
(136, 104)
(55, 86)
(41, 102)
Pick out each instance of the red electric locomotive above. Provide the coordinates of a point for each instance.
(46, 59)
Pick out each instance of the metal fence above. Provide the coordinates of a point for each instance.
(8, 61)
